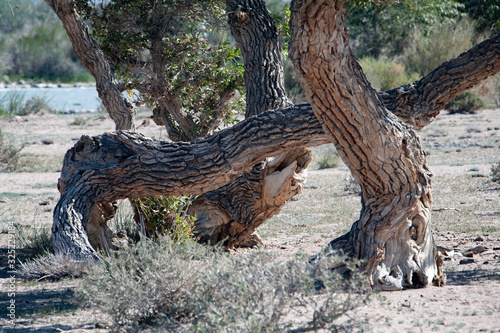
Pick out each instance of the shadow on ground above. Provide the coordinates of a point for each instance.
(467, 277)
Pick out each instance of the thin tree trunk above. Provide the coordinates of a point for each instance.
(385, 157)
(92, 57)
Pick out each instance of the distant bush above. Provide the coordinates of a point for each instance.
(78, 121)
(445, 41)
(9, 154)
(193, 288)
(328, 158)
(37, 48)
(386, 74)
(466, 102)
(34, 105)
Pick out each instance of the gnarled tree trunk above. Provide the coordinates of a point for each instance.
(385, 156)
(124, 165)
(234, 211)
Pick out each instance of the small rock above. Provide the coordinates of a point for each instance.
(475, 250)
(479, 239)
(466, 261)
(48, 142)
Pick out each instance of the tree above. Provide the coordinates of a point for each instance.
(137, 38)
(374, 134)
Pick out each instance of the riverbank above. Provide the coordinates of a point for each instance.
(60, 97)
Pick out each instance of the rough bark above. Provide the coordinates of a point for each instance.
(105, 168)
(92, 57)
(233, 212)
(123, 165)
(385, 156)
(257, 36)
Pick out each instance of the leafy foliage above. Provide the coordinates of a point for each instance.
(485, 12)
(384, 28)
(173, 53)
(466, 102)
(165, 216)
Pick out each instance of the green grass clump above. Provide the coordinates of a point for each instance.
(12, 103)
(36, 244)
(195, 288)
(466, 102)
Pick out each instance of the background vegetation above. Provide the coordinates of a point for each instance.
(34, 45)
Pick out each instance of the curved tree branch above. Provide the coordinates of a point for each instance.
(418, 103)
(123, 165)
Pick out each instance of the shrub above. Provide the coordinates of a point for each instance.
(466, 102)
(385, 74)
(52, 267)
(34, 105)
(495, 173)
(195, 288)
(445, 41)
(164, 216)
(327, 157)
(9, 154)
(40, 263)
(78, 121)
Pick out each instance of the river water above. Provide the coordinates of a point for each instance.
(64, 99)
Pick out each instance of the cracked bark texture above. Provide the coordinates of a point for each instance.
(126, 165)
(257, 37)
(384, 155)
(123, 165)
(233, 212)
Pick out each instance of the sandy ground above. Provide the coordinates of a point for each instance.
(466, 215)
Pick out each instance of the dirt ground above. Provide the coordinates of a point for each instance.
(466, 223)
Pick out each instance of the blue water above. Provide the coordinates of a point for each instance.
(78, 99)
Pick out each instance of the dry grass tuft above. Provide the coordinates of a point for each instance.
(194, 288)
